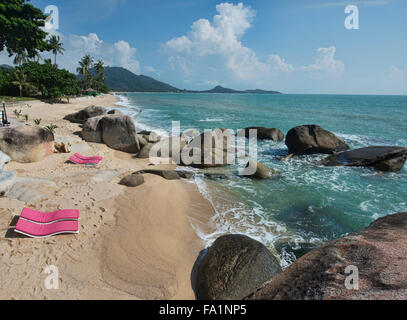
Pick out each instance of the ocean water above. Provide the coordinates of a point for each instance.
(309, 204)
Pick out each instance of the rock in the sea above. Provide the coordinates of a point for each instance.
(185, 174)
(234, 267)
(310, 139)
(166, 174)
(4, 159)
(211, 149)
(266, 133)
(382, 158)
(115, 112)
(133, 180)
(258, 170)
(85, 114)
(26, 144)
(7, 179)
(377, 255)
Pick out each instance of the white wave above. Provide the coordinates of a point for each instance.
(211, 120)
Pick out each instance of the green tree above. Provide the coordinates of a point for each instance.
(21, 58)
(50, 81)
(100, 78)
(21, 81)
(84, 70)
(20, 28)
(56, 46)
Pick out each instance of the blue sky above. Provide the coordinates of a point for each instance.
(295, 46)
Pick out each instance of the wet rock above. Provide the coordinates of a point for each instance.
(26, 144)
(257, 170)
(309, 139)
(266, 133)
(379, 253)
(382, 158)
(234, 267)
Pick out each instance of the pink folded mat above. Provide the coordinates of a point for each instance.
(35, 230)
(48, 217)
(81, 157)
(79, 161)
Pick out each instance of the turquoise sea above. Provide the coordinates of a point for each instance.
(309, 204)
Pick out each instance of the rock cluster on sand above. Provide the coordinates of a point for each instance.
(234, 267)
(379, 253)
(309, 139)
(381, 158)
(26, 144)
(166, 174)
(263, 133)
(85, 114)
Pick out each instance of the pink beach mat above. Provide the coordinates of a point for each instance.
(48, 217)
(79, 161)
(81, 157)
(35, 230)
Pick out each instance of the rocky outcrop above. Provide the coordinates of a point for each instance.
(85, 114)
(379, 253)
(26, 144)
(117, 132)
(30, 189)
(133, 180)
(166, 174)
(234, 267)
(310, 139)
(7, 180)
(263, 133)
(381, 158)
(211, 149)
(257, 170)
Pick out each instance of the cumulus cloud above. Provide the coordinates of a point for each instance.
(222, 37)
(326, 62)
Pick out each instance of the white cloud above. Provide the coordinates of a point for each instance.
(326, 62)
(222, 38)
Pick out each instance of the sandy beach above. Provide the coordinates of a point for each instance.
(134, 243)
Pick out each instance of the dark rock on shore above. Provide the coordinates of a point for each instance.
(381, 158)
(379, 252)
(133, 180)
(310, 139)
(115, 112)
(26, 144)
(266, 133)
(166, 174)
(119, 133)
(234, 267)
(185, 174)
(85, 114)
(257, 170)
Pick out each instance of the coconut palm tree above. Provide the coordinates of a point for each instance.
(84, 70)
(56, 46)
(21, 58)
(100, 74)
(20, 80)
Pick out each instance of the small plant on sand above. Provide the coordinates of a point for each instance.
(26, 117)
(51, 127)
(37, 122)
(17, 113)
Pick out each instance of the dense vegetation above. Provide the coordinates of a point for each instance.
(120, 79)
(92, 75)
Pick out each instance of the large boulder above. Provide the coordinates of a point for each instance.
(234, 267)
(309, 139)
(257, 170)
(381, 158)
(376, 255)
(211, 149)
(85, 114)
(265, 133)
(26, 144)
(119, 133)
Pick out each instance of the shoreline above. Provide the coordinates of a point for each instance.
(126, 248)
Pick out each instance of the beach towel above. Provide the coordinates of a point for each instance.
(37, 230)
(48, 217)
(79, 161)
(81, 157)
